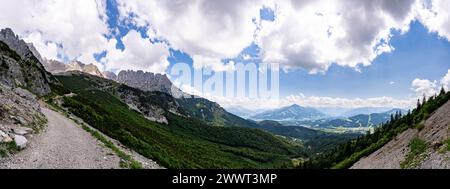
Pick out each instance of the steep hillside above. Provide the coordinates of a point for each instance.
(427, 147)
(20, 117)
(416, 130)
(181, 143)
(19, 67)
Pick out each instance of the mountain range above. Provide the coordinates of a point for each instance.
(365, 110)
(358, 123)
(244, 112)
(290, 113)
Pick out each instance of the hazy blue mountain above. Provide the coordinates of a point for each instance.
(243, 112)
(361, 120)
(365, 110)
(293, 112)
(333, 111)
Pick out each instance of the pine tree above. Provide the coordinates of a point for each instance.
(442, 91)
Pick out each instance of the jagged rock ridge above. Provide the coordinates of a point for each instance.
(19, 67)
(57, 67)
(146, 81)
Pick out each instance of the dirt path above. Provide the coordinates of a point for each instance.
(63, 145)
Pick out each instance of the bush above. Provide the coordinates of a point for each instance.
(416, 154)
(7, 148)
(448, 144)
(419, 126)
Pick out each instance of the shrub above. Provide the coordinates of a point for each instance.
(419, 126)
(448, 144)
(416, 154)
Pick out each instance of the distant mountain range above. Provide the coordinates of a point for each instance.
(349, 120)
(358, 121)
(290, 113)
(243, 112)
(365, 110)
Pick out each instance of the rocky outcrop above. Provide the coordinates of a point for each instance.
(18, 107)
(110, 75)
(435, 135)
(57, 67)
(20, 116)
(35, 52)
(153, 105)
(86, 68)
(146, 81)
(54, 66)
(19, 67)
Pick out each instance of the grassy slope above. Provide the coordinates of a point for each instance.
(184, 143)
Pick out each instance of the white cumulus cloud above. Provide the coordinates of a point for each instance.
(314, 34)
(139, 54)
(77, 26)
(314, 101)
(207, 30)
(445, 81)
(435, 15)
(424, 87)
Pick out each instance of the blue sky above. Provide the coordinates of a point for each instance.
(417, 54)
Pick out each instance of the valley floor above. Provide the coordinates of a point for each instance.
(63, 145)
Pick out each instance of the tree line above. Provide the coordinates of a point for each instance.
(345, 155)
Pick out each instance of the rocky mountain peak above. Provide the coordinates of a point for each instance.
(57, 67)
(110, 75)
(75, 66)
(16, 44)
(35, 52)
(146, 81)
(20, 64)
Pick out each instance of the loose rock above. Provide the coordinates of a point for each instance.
(21, 141)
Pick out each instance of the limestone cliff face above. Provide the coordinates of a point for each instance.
(435, 135)
(110, 75)
(145, 81)
(57, 67)
(20, 67)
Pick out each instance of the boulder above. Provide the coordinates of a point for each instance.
(21, 141)
(22, 130)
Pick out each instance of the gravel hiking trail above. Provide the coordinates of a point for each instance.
(63, 145)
